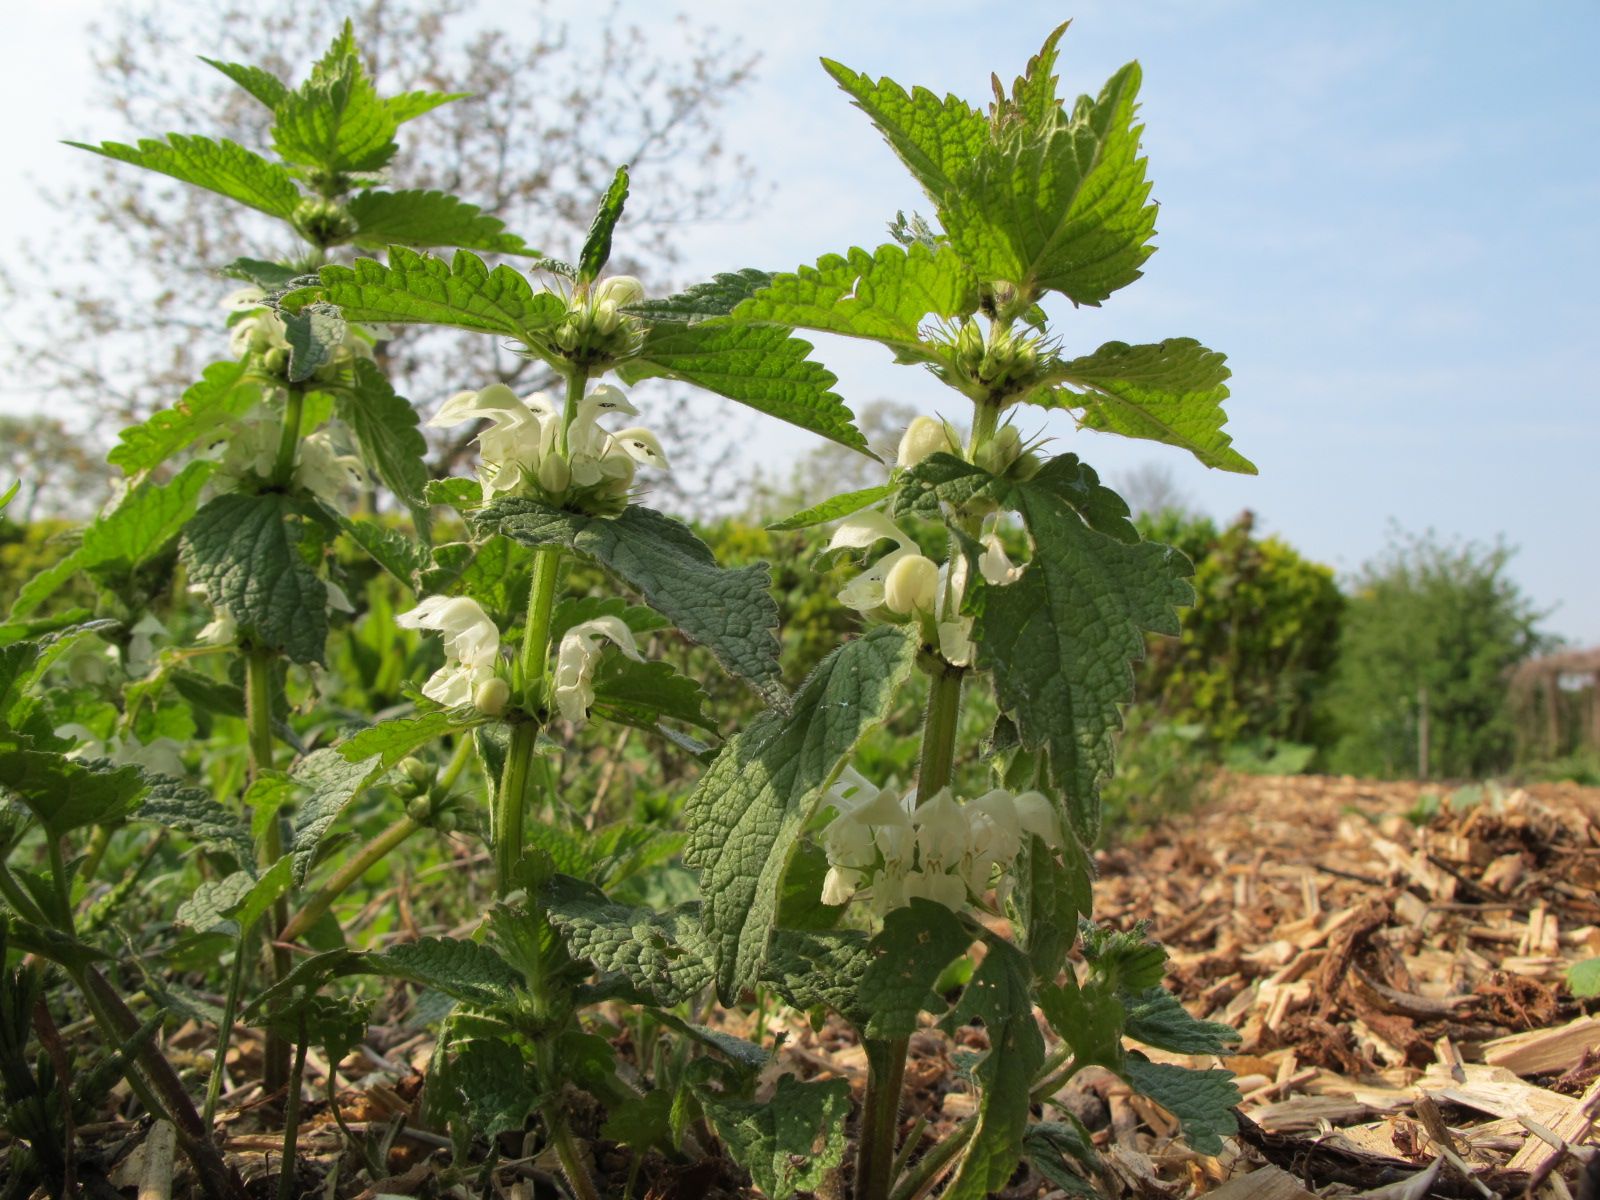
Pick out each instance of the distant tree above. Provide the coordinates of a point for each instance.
(829, 469)
(556, 108)
(1152, 488)
(55, 473)
(1431, 633)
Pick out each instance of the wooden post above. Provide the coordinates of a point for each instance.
(1423, 732)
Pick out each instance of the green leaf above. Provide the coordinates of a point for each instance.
(488, 1085)
(664, 955)
(423, 218)
(335, 122)
(1201, 1100)
(1583, 978)
(575, 610)
(239, 898)
(218, 166)
(1061, 205)
(759, 366)
(1088, 1017)
(219, 398)
(268, 276)
(943, 479)
(423, 289)
(705, 301)
(790, 1142)
(1049, 898)
(1033, 97)
(885, 296)
(642, 693)
(1169, 392)
(259, 82)
(597, 246)
(396, 551)
(1157, 1018)
(494, 572)
(1059, 1152)
(466, 970)
(249, 553)
(730, 612)
(24, 664)
(118, 543)
(909, 953)
(832, 509)
(816, 969)
(998, 994)
(385, 427)
(1060, 640)
(749, 809)
(62, 793)
(408, 106)
(314, 334)
(193, 813)
(936, 139)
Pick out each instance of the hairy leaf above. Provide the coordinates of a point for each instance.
(730, 612)
(240, 898)
(488, 1085)
(221, 396)
(817, 969)
(259, 82)
(1202, 1101)
(1060, 640)
(664, 955)
(1059, 1152)
(193, 813)
(422, 289)
(335, 121)
(642, 693)
(705, 301)
(314, 334)
(1169, 391)
(597, 246)
(422, 218)
(64, 794)
(1157, 1018)
(749, 808)
(408, 106)
(1049, 898)
(884, 296)
(218, 166)
(759, 366)
(248, 552)
(790, 1142)
(832, 509)
(908, 955)
(385, 426)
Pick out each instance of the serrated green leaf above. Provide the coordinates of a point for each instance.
(908, 954)
(24, 664)
(1060, 640)
(1063, 206)
(885, 296)
(137, 530)
(268, 276)
(642, 693)
(730, 612)
(705, 301)
(239, 898)
(663, 955)
(790, 1142)
(259, 82)
(833, 508)
(819, 969)
(750, 807)
(577, 609)
(408, 106)
(1088, 1017)
(1059, 1152)
(493, 571)
(385, 427)
(759, 366)
(218, 166)
(247, 552)
(1049, 898)
(422, 218)
(1157, 1018)
(221, 396)
(1583, 978)
(1033, 97)
(1169, 392)
(597, 246)
(1126, 959)
(998, 994)
(466, 970)
(207, 694)
(1201, 1100)
(193, 813)
(642, 1122)
(423, 289)
(489, 1085)
(64, 794)
(457, 493)
(943, 479)
(935, 138)
(313, 334)
(335, 122)
(397, 552)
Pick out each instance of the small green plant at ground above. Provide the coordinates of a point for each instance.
(859, 847)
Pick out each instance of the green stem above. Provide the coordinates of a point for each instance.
(291, 1118)
(931, 1165)
(258, 671)
(289, 438)
(258, 666)
(886, 1059)
(230, 1010)
(458, 763)
(346, 876)
(58, 875)
(99, 842)
(511, 803)
(569, 1153)
(985, 419)
(533, 661)
(17, 896)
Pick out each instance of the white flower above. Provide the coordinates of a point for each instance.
(994, 564)
(619, 290)
(578, 658)
(323, 471)
(252, 452)
(923, 437)
(141, 651)
(942, 831)
(861, 532)
(840, 884)
(162, 756)
(1036, 815)
(948, 890)
(912, 585)
(471, 646)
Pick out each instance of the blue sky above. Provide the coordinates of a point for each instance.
(1384, 214)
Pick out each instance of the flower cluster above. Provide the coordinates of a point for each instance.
(579, 656)
(320, 467)
(257, 331)
(522, 451)
(884, 843)
(596, 329)
(471, 651)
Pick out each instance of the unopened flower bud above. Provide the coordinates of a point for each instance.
(924, 436)
(417, 771)
(567, 336)
(969, 345)
(619, 291)
(420, 808)
(275, 362)
(554, 474)
(606, 318)
(492, 696)
(1000, 451)
(912, 585)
